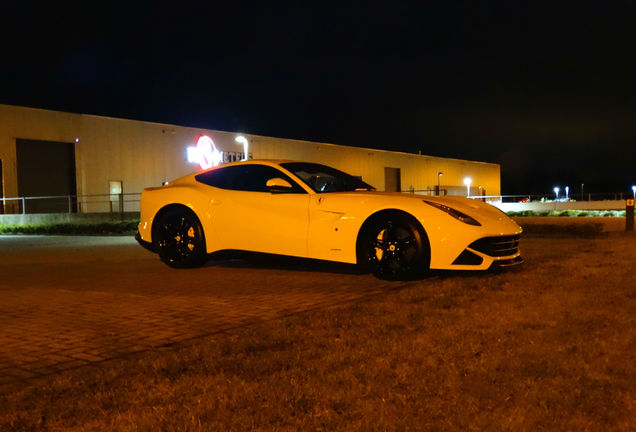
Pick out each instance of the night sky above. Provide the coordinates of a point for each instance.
(548, 92)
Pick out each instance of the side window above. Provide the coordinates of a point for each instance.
(249, 178)
(220, 178)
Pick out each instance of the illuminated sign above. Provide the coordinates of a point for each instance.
(234, 157)
(207, 155)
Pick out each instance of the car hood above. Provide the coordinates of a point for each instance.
(487, 215)
(474, 207)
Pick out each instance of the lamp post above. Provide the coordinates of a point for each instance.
(467, 182)
(567, 193)
(439, 182)
(242, 140)
(556, 192)
(634, 191)
(582, 184)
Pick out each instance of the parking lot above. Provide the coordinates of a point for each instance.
(66, 301)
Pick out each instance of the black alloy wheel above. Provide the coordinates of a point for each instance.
(179, 239)
(393, 248)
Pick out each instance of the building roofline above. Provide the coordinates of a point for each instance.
(250, 134)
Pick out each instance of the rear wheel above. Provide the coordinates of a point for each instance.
(393, 247)
(179, 238)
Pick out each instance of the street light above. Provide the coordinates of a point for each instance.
(439, 183)
(242, 140)
(582, 185)
(567, 193)
(467, 182)
(556, 191)
(634, 191)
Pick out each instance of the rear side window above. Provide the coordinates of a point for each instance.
(248, 178)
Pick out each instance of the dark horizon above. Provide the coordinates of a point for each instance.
(545, 92)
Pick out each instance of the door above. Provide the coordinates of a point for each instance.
(245, 215)
(46, 169)
(392, 180)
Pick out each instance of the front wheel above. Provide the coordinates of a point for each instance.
(179, 238)
(394, 248)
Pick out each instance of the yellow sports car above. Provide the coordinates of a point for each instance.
(310, 210)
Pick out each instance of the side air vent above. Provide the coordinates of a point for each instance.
(468, 258)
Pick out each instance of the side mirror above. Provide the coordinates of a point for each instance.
(278, 185)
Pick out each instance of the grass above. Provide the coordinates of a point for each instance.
(130, 226)
(542, 229)
(103, 228)
(567, 213)
(546, 346)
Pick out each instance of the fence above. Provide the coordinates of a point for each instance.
(106, 203)
(600, 196)
(539, 203)
(428, 192)
(130, 202)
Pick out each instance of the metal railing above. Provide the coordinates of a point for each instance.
(428, 191)
(103, 203)
(130, 202)
(521, 198)
(446, 192)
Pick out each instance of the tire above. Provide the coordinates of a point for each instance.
(394, 247)
(179, 238)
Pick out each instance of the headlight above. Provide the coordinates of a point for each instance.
(462, 217)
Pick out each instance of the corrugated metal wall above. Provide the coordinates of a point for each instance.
(141, 154)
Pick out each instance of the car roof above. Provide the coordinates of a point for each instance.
(257, 161)
(271, 162)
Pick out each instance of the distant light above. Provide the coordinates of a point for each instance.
(242, 140)
(567, 192)
(556, 191)
(467, 182)
(634, 191)
(76, 140)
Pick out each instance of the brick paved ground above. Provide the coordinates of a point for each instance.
(67, 302)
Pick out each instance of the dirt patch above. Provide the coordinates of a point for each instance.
(544, 346)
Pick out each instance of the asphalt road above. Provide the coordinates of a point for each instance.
(71, 301)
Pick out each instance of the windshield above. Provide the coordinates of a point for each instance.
(322, 179)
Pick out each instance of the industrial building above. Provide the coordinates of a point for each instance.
(52, 161)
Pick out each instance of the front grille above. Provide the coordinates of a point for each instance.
(497, 246)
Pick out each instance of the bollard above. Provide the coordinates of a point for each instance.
(629, 215)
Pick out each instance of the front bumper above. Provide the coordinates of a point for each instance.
(507, 262)
(489, 252)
